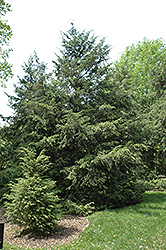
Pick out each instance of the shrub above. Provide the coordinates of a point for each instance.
(32, 203)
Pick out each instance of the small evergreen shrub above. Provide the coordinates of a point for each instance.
(32, 203)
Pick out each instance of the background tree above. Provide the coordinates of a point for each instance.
(38, 108)
(142, 62)
(93, 131)
(154, 131)
(144, 65)
(5, 35)
(82, 68)
(25, 127)
(34, 117)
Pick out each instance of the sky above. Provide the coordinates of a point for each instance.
(36, 25)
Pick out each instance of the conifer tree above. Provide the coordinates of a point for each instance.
(93, 133)
(82, 68)
(33, 202)
(82, 116)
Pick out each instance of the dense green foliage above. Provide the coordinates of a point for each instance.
(101, 125)
(5, 35)
(143, 64)
(82, 69)
(32, 202)
(155, 128)
(143, 68)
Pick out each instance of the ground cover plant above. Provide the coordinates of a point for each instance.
(141, 226)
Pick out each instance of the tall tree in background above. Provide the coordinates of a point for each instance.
(38, 107)
(94, 150)
(5, 35)
(30, 122)
(154, 119)
(144, 65)
(142, 62)
(34, 105)
(82, 68)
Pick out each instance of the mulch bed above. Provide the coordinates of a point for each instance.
(71, 227)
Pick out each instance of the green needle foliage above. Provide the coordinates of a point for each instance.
(32, 203)
(82, 68)
(108, 180)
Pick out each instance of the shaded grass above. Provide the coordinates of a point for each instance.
(141, 226)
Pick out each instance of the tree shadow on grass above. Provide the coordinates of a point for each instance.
(155, 197)
(154, 204)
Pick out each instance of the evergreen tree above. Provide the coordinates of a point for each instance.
(82, 68)
(93, 134)
(37, 106)
(32, 202)
(20, 130)
(33, 118)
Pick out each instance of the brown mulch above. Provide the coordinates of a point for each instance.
(71, 227)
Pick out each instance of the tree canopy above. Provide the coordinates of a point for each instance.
(143, 63)
(81, 68)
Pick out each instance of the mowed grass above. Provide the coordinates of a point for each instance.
(141, 226)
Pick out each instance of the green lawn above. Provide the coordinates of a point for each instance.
(141, 226)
